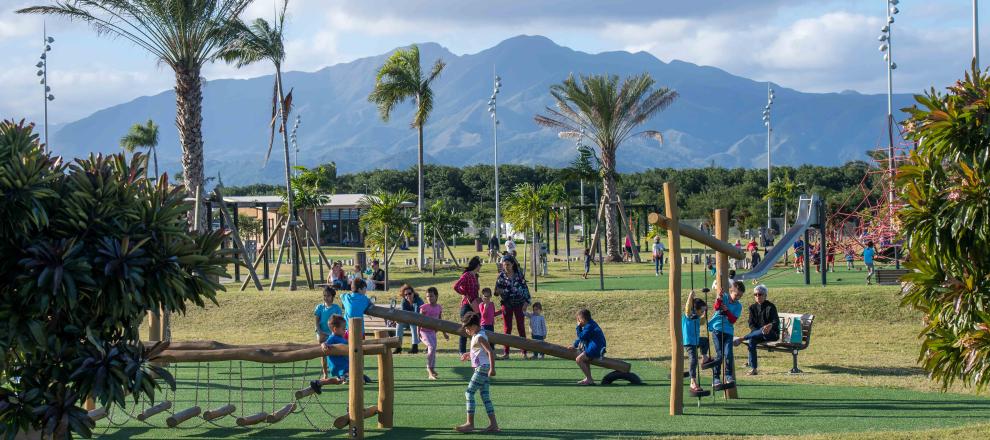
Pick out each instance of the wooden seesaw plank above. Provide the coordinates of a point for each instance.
(493, 338)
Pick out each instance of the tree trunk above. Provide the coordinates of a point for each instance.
(189, 121)
(154, 154)
(612, 246)
(419, 199)
(290, 209)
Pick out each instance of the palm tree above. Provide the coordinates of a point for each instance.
(596, 107)
(386, 221)
(401, 78)
(784, 189)
(143, 136)
(185, 35)
(526, 206)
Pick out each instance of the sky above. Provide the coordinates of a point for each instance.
(812, 46)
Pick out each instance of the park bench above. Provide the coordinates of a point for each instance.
(786, 346)
(890, 277)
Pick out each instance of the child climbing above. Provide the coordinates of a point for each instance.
(429, 335)
(590, 343)
(339, 365)
(323, 312)
(537, 326)
(694, 308)
(727, 310)
(483, 362)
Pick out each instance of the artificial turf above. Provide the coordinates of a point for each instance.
(538, 399)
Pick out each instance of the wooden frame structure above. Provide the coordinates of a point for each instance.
(723, 250)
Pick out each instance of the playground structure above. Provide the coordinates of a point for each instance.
(271, 354)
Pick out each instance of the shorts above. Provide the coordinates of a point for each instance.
(594, 351)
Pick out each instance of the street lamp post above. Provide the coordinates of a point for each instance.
(886, 46)
(43, 73)
(766, 123)
(493, 110)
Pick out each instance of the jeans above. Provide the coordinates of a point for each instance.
(539, 338)
(723, 347)
(658, 263)
(693, 356)
(507, 314)
(400, 330)
(753, 339)
(462, 342)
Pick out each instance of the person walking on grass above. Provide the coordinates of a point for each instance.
(868, 254)
(433, 310)
(411, 302)
(587, 262)
(483, 362)
(658, 251)
(493, 245)
(511, 287)
(467, 286)
(764, 325)
(323, 312)
(590, 344)
(510, 246)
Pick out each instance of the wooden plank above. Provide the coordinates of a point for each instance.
(282, 347)
(181, 416)
(222, 411)
(258, 355)
(253, 419)
(722, 269)
(674, 301)
(146, 414)
(718, 245)
(454, 328)
(277, 416)
(355, 395)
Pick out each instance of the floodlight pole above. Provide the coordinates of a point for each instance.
(976, 35)
(493, 110)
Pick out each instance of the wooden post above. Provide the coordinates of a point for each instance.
(154, 325)
(265, 252)
(674, 300)
(355, 401)
(386, 384)
(722, 271)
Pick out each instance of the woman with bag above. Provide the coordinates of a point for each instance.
(514, 293)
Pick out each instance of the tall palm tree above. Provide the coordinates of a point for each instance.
(399, 79)
(384, 217)
(598, 108)
(182, 34)
(143, 136)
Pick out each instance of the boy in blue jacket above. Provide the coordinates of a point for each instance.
(694, 308)
(590, 342)
(727, 311)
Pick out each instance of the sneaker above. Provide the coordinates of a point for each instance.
(716, 383)
(729, 378)
(316, 387)
(415, 349)
(751, 372)
(368, 379)
(737, 341)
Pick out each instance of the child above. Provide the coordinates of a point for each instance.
(694, 308)
(358, 273)
(830, 260)
(868, 255)
(727, 311)
(355, 303)
(339, 365)
(590, 342)
(487, 310)
(537, 326)
(428, 335)
(337, 277)
(850, 255)
(483, 362)
(587, 262)
(323, 312)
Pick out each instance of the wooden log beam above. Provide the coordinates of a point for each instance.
(277, 416)
(355, 387)
(493, 338)
(698, 235)
(674, 301)
(146, 414)
(391, 342)
(260, 355)
(182, 416)
(223, 411)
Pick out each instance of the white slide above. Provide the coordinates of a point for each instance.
(806, 215)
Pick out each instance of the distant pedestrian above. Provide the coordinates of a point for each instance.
(868, 254)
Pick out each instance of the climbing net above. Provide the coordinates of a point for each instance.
(232, 394)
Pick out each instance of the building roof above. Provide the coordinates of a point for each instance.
(336, 201)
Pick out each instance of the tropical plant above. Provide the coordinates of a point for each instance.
(442, 220)
(526, 206)
(385, 220)
(785, 190)
(597, 108)
(249, 226)
(94, 245)
(946, 223)
(481, 217)
(399, 79)
(184, 35)
(143, 136)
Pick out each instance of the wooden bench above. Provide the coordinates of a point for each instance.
(779, 346)
(890, 277)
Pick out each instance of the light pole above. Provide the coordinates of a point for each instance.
(976, 35)
(43, 73)
(886, 46)
(493, 110)
(766, 123)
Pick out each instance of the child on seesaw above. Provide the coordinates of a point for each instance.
(323, 312)
(483, 362)
(694, 308)
(590, 343)
(338, 365)
(429, 335)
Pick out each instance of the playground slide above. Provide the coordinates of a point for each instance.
(805, 217)
(454, 328)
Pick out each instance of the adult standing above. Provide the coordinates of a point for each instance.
(468, 287)
(410, 303)
(764, 325)
(493, 245)
(510, 246)
(377, 276)
(514, 294)
(658, 251)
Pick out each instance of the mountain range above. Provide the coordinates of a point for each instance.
(715, 121)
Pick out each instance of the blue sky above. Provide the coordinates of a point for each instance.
(816, 46)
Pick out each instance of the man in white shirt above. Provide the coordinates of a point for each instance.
(658, 251)
(510, 246)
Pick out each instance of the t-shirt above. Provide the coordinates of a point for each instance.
(479, 356)
(537, 325)
(510, 245)
(690, 329)
(868, 255)
(324, 312)
(378, 275)
(338, 366)
(487, 313)
(751, 246)
(658, 249)
(432, 311)
(723, 321)
(354, 306)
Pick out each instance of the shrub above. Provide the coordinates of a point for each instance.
(86, 249)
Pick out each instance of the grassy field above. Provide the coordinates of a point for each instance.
(860, 373)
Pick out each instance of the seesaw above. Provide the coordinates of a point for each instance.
(620, 369)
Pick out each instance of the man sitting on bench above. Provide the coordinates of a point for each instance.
(763, 323)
